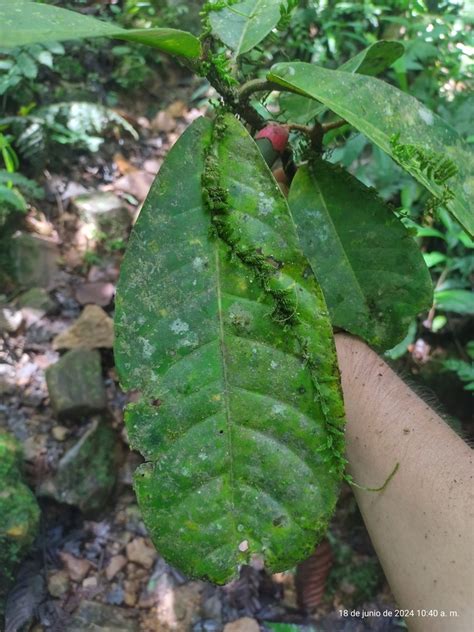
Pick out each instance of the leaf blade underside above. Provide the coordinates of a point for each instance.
(385, 114)
(241, 460)
(371, 271)
(23, 22)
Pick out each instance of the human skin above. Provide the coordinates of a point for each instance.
(421, 523)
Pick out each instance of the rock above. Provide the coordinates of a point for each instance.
(286, 580)
(76, 567)
(207, 625)
(137, 184)
(187, 605)
(92, 616)
(152, 165)
(163, 122)
(58, 583)
(212, 608)
(102, 212)
(177, 608)
(115, 595)
(109, 272)
(75, 384)
(34, 260)
(246, 624)
(86, 474)
(37, 298)
(60, 433)
(19, 510)
(72, 190)
(90, 582)
(95, 293)
(92, 330)
(7, 379)
(10, 320)
(115, 565)
(140, 552)
(177, 109)
(130, 596)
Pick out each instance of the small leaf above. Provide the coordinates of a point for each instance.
(27, 65)
(222, 327)
(12, 198)
(433, 258)
(371, 61)
(401, 348)
(419, 140)
(459, 301)
(23, 22)
(372, 273)
(243, 25)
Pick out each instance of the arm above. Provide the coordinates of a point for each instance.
(421, 523)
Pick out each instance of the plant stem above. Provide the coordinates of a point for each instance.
(238, 100)
(256, 85)
(333, 125)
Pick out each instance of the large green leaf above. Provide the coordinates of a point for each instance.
(222, 328)
(419, 140)
(371, 61)
(372, 272)
(23, 22)
(243, 25)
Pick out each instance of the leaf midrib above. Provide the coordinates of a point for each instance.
(225, 378)
(246, 26)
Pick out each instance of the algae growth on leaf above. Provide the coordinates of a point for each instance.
(221, 326)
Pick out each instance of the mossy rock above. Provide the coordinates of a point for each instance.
(10, 458)
(37, 298)
(86, 474)
(20, 514)
(75, 384)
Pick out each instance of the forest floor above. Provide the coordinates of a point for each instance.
(93, 566)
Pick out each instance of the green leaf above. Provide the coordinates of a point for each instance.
(372, 272)
(243, 25)
(401, 348)
(464, 370)
(371, 61)
(21, 181)
(12, 198)
(23, 22)
(222, 328)
(27, 65)
(403, 127)
(459, 301)
(433, 258)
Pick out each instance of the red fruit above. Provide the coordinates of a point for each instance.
(276, 134)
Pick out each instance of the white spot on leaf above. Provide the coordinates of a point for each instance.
(426, 116)
(179, 327)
